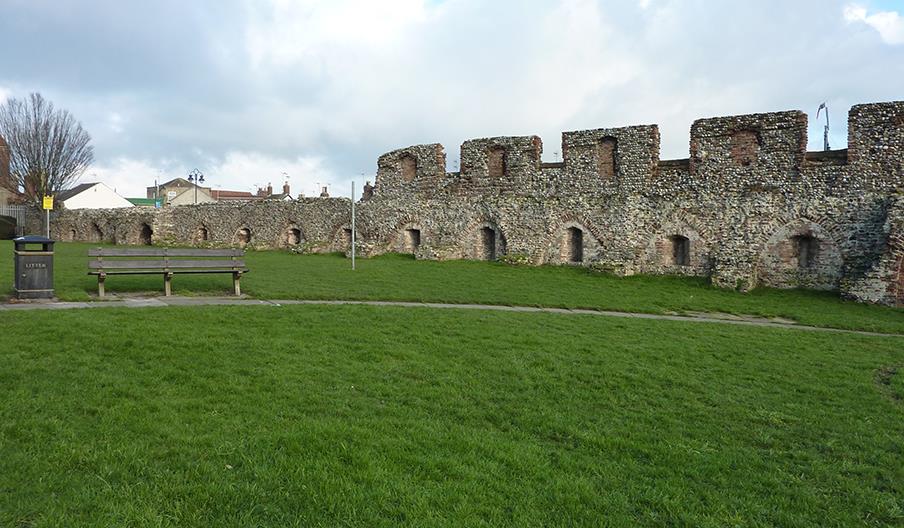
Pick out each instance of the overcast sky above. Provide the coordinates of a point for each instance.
(248, 90)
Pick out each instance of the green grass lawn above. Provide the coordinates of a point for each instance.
(282, 275)
(364, 416)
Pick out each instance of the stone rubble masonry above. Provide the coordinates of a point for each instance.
(749, 207)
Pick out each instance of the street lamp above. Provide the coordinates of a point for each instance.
(195, 177)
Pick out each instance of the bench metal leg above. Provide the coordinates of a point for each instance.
(167, 284)
(100, 284)
(236, 283)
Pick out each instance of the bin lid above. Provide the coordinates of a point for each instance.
(33, 239)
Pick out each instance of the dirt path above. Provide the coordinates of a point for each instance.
(694, 317)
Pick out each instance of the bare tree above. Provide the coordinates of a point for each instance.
(48, 149)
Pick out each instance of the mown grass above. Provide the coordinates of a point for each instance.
(282, 275)
(363, 416)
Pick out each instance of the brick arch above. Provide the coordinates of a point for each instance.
(782, 264)
(475, 244)
(95, 233)
(202, 234)
(407, 235)
(243, 236)
(341, 239)
(680, 244)
(827, 224)
(551, 252)
(677, 247)
(291, 235)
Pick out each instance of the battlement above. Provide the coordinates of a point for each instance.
(729, 153)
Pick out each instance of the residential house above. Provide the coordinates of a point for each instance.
(95, 195)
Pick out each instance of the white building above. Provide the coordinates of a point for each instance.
(91, 196)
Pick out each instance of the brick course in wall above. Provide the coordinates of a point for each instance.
(748, 207)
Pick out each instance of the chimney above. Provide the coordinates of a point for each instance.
(269, 189)
(285, 188)
(324, 193)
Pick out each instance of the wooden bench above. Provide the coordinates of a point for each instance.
(167, 262)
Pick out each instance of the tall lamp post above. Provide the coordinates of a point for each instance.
(196, 177)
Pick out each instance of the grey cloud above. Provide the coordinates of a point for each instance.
(188, 90)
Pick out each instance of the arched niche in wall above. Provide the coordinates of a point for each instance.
(574, 242)
(242, 237)
(145, 235)
(291, 236)
(484, 241)
(202, 234)
(678, 248)
(342, 238)
(802, 253)
(408, 238)
(95, 234)
(677, 251)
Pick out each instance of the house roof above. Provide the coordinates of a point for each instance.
(280, 196)
(177, 182)
(218, 194)
(151, 202)
(62, 196)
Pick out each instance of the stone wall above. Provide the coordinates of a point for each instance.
(312, 224)
(749, 206)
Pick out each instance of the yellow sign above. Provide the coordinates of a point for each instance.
(48, 202)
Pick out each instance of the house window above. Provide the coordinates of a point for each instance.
(681, 250)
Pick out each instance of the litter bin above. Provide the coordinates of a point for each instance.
(34, 267)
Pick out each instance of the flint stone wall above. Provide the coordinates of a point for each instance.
(748, 207)
(312, 224)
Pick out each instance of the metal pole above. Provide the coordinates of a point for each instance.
(48, 222)
(353, 225)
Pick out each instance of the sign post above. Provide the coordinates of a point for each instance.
(353, 225)
(48, 205)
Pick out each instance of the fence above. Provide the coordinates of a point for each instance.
(17, 214)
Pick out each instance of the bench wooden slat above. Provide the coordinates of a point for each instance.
(159, 252)
(165, 264)
(123, 261)
(160, 271)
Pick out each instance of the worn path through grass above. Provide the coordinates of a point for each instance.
(282, 275)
